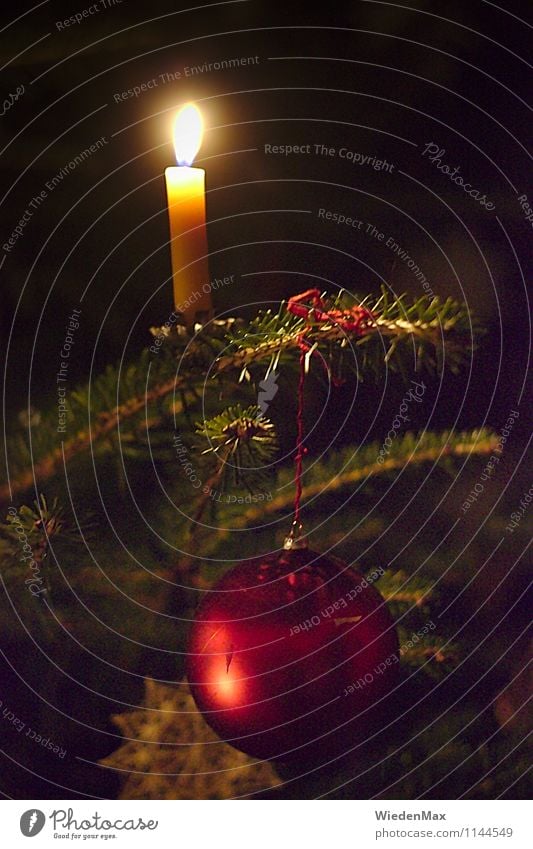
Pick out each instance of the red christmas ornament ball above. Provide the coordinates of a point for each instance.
(291, 656)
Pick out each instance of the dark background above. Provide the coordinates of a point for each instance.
(421, 80)
(378, 79)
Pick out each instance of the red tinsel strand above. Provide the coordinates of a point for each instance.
(356, 320)
(300, 450)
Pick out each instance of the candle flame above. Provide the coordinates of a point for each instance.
(188, 131)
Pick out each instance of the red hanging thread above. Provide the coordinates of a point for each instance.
(356, 320)
(300, 450)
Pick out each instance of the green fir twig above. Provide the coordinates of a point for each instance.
(426, 333)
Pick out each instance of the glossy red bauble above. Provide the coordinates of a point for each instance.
(291, 656)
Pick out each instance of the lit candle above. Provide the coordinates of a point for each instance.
(186, 212)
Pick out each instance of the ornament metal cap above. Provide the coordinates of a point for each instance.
(296, 538)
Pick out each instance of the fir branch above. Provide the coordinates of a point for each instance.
(105, 423)
(211, 485)
(436, 650)
(406, 591)
(24, 542)
(238, 432)
(429, 331)
(412, 449)
(39, 523)
(231, 435)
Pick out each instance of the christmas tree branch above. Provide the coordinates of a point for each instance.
(345, 469)
(428, 331)
(105, 423)
(410, 450)
(436, 651)
(405, 336)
